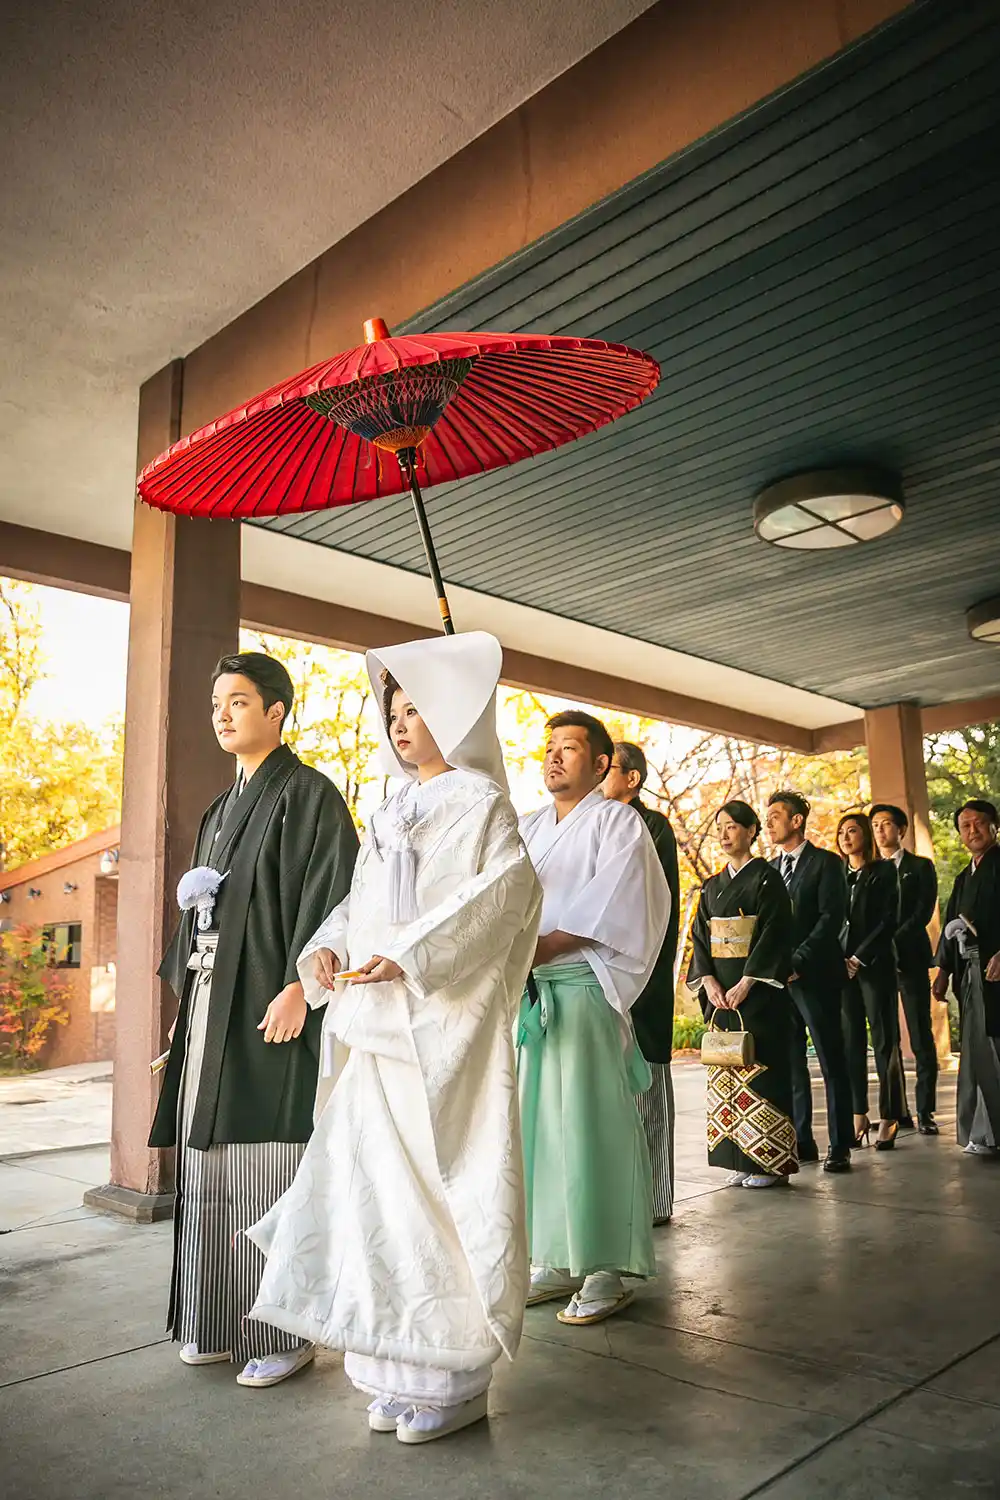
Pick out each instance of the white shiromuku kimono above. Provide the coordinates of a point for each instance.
(402, 1240)
(586, 1161)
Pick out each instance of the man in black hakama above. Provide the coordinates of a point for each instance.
(274, 855)
(969, 954)
(653, 1013)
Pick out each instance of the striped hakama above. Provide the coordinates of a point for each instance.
(977, 1105)
(656, 1111)
(219, 1193)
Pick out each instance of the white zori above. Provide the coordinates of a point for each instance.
(402, 1240)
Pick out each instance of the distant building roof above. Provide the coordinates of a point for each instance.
(94, 843)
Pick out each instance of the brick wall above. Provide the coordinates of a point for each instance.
(89, 1035)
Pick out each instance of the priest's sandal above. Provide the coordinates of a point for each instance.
(385, 1412)
(601, 1296)
(551, 1286)
(190, 1356)
(276, 1367)
(424, 1424)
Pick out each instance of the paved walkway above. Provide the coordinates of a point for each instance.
(55, 1109)
(841, 1338)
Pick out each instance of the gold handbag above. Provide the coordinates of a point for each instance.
(726, 1049)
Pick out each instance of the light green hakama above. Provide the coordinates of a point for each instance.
(587, 1172)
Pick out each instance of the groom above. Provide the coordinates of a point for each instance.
(274, 854)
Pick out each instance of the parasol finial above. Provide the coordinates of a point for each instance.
(375, 329)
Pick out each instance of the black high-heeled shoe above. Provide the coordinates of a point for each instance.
(887, 1145)
(861, 1139)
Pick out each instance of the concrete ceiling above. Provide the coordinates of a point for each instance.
(168, 164)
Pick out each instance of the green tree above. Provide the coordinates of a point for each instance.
(962, 764)
(58, 781)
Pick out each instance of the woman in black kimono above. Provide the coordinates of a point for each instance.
(741, 968)
(870, 996)
(969, 954)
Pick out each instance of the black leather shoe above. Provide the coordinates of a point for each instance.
(808, 1153)
(837, 1161)
(907, 1123)
(927, 1125)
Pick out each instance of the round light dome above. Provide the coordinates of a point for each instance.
(984, 621)
(828, 508)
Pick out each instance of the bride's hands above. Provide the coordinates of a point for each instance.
(377, 970)
(325, 965)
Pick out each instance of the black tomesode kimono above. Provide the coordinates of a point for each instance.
(750, 1109)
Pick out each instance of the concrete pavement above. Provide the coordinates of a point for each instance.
(839, 1338)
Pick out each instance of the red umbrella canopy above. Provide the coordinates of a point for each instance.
(465, 402)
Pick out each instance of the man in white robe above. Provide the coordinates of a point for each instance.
(402, 1240)
(605, 910)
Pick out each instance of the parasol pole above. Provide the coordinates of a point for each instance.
(407, 463)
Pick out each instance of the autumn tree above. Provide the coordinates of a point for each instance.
(58, 781)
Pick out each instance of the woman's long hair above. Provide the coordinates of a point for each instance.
(865, 824)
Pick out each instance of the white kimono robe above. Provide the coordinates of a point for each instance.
(403, 1237)
(602, 880)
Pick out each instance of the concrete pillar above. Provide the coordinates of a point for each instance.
(185, 613)
(896, 767)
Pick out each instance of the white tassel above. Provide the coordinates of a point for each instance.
(198, 888)
(402, 873)
(402, 863)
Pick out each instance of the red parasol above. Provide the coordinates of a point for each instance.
(396, 413)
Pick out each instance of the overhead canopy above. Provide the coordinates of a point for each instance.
(819, 281)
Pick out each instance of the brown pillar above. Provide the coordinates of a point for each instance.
(185, 611)
(896, 767)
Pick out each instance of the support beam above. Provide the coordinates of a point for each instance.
(280, 613)
(896, 767)
(185, 609)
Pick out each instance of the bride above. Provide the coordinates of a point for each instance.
(402, 1239)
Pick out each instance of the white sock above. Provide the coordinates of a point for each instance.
(601, 1289)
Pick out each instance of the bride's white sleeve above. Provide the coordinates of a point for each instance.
(331, 934)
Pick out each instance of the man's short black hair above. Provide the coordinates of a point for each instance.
(977, 804)
(897, 814)
(794, 801)
(632, 758)
(598, 737)
(267, 674)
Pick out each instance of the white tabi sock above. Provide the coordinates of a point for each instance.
(601, 1290)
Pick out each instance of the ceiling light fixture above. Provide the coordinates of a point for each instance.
(109, 862)
(828, 508)
(983, 620)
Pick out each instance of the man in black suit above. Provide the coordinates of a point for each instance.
(818, 888)
(914, 958)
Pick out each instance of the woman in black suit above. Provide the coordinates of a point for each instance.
(869, 993)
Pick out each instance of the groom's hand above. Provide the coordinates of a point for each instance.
(285, 1016)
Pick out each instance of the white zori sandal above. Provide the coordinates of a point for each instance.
(423, 1424)
(601, 1296)
(276, 1367)
(190, 1356)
